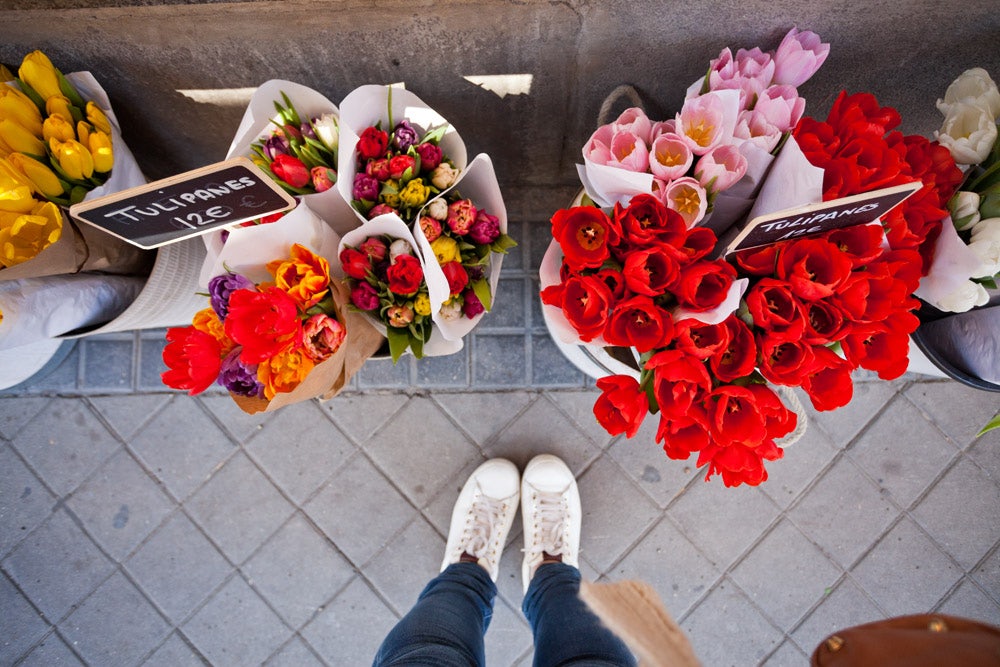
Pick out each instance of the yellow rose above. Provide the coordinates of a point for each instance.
(58, 127)
(415, 193)
(42, 179)
(422, 305)
(24, 235)
(446, 250)
(101, 150)
(18, 106)
(97, 118)
(38, 72)
(17, 139)
(73, 158)
(284, 372)
(15, 191)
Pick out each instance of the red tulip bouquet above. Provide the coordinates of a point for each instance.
(707, 162)
(397, 153)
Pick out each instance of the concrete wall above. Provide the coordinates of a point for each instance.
(576, 52)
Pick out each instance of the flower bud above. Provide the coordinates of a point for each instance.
(400, 317)
(18, 106)
(96, 117)
(17, 139)
(399, 247)
(323, 178)
(38, 72)
(327, 131)
(973, 86)
(15, 191)
(430, 227)
(444, 176)
(422, 305)
(101, 150)
(438, 209)
(451, 311)
(43, 180)
(58, 127)
(964, 208)
(59, 105)
(73, 158)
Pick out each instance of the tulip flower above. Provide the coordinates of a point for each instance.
(798, 57)
(101, 151)
(15, 191)
(721, 168)
(42, 179)
(700, 123)
(57, 127)
(973, 86)
(17, 139)
(291, 170)
(16, 105)
(968, 131)
(97, 118)
(327, 131)
(72, 158)
(23, 236)
(59, 105)
(687, 197)
(40, 74)
(670, 157)
(629, 151)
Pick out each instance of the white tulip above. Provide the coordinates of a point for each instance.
(969, 295)
(973, 86)
(968, 132)
(964, 209)
(399, 247)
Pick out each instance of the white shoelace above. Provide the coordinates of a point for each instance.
(550, 513)
(487, 514)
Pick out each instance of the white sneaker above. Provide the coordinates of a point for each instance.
(483, 514)
(550, 509)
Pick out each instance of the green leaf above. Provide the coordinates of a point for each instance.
(32, 95)
(417, 346)
(481, 288)
(290, 113)
(434, 136)
(988, 283)
(69, 91)
(990, 425)
(399, 340)
(502, 244)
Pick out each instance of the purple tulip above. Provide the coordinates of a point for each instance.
(366, 187)
(404, 136)
(239, 378)
(275, 145)
(221, 287)
(364, 296)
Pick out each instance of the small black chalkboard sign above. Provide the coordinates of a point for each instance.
(825, 216)
(189, 204)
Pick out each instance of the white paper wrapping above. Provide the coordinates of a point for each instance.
(953, 264)
(792, 182)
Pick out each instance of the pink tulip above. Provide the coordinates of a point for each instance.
(782, 107)
(755, 64)
(598, 147)
(700, 123)
(662, 127)
(629, 151)
(753, 126)
(798, 57)
(635, 121)
(670, 157)
(687, 197)
(721, 168)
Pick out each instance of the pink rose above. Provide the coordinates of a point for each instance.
(670, 157)
(781, 106)
(430, 227)
(720, 168)
(687, 197)
(798, 57)
(700, 123)
(461, 216)
(322, 336)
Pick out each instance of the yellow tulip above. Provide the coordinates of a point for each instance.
(97, 118)
(15, 191)
(42, 179)
(19, 139)
(73, 158)
(5, 74)
(82, 132)
(59, 105)
(101, 150)
(58, 127)
(23, 236)
(38, 72)
(18, 106)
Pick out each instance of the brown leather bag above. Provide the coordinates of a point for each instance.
(921, 640)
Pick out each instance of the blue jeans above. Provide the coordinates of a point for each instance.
(446, 626)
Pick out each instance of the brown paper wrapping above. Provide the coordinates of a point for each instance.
(330, 377)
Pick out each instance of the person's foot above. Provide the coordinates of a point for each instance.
(550, 510)
(482, 516)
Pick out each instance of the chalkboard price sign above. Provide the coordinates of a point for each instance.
(825, 216)
(189, 204)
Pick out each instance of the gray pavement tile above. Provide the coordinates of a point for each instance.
(508, 636)
(339, 637)
(151, 344)
(24, 500)
(549, 367)
(987, 574)
(438, 510)
(116, 625)
(579, 407)
(722, 521)
(542, 429)
(297, 571)
(499, 360)
(221, 508)
(845, 606)
(535, 308)
(483, 415)
(667, 561)
(843, 424)
(240, 425)
(57, 566)
(126, 413)
(514, 261)
(294, 654)
(967, 534)
(343, 510)
(844, 512)
(956, 409)
(383, 374)
(22, 627)
(650, 468)
(805, 574)
(420, 448)
(538, 237)
(120, 505)
(451, 371)
(508, 310)
(787, 655)
(16, 411)
(174, 652)
(986, 453)
(178, 567)
(236, 611)
(107, 364)
(509, 584)
(182, 446)
(418, 551)
(299, 448)
(52, 652)
(902, 452)
(65, 443)
(899, 583)
(360, 415)
(802, 462)
(615, 513)
(725, 629)
(969, 601)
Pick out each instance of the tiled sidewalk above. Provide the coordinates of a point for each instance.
(140, 526)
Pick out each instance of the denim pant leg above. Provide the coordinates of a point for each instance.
(566, 631)
(446, 625)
